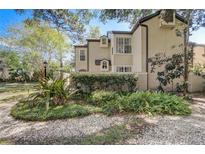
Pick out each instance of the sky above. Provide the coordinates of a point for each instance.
(9, 17)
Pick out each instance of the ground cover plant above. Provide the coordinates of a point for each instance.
(140, 102)
(23, 111)
(55, 100)
(51, 101)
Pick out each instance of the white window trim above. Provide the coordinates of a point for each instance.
(104, 45)
(101, 64)
(80, 55)
(123, 66)
(123, 53)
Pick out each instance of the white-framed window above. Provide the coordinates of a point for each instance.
(104, 65)
(123, 69)
(104, 41)
(123, 45)
(82, 55)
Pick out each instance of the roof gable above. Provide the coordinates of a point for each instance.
(146, 19)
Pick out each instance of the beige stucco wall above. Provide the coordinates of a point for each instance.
(196, 83)
(199, 54)
(137, 50)
(97, 52)
(161, 40)
(80, 65)
(122, 59)
(143, 49)
(142, 81)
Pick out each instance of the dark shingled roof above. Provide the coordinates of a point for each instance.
(81, 45)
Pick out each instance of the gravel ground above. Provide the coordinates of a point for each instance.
(51, 132)
(162, 130)
(175, 129)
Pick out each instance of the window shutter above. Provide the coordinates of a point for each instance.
(97, 62)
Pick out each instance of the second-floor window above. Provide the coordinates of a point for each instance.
(104, 40)
(123, 45)
(82, 55)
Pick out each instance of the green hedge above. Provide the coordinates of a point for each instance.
(100, 98)
(88, 82)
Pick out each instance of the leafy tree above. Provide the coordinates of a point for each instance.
(11, 59)
(94, 32)
(71, 21)
(195, 19)
(124, 15)
(41, 42)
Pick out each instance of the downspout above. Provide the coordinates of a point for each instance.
(88, 57)
(147, 43)
(75, 59)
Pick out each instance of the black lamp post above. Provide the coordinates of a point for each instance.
(45, 66)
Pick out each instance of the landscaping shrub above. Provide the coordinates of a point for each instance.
(54, 92)
(101, 97)
(142, 102)
(88, 82)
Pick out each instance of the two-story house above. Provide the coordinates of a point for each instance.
(129, 51)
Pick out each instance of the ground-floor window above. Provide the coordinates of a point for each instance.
(123, 69)
(104, 65)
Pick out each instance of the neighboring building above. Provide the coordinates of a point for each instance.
(199, 54)
(196, 82)
(129, 51)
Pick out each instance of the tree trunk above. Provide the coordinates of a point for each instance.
(186, 61)
(61, 60)
(61, 66)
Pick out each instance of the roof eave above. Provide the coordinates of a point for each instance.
(179, 17)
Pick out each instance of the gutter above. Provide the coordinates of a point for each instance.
(88, 58)
(147, 45)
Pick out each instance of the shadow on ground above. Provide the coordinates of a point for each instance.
(101, 129)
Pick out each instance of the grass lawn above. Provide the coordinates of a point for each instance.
(38, 113)
(15, 91)
(4, 142)
(16, 87)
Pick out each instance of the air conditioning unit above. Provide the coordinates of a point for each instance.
(167, 19)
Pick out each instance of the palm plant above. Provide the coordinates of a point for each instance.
(50, 91)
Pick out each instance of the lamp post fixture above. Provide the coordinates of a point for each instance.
(45, 66)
